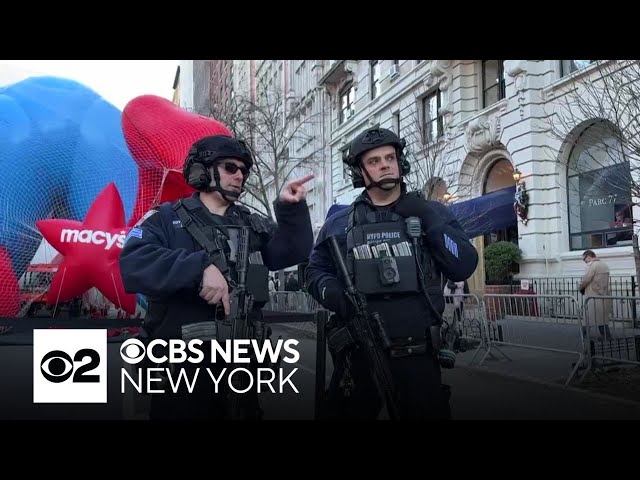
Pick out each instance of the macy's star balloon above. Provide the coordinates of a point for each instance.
(91, 250)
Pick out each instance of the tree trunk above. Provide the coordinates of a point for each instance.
(636, 257)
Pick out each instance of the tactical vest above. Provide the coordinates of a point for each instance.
(385, 266)
(219, 236)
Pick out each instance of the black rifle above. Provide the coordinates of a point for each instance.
(240, 305)
(368, 332)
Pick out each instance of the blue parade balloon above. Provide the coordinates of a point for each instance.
(60, 145)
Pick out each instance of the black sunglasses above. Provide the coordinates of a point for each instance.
(232, 168)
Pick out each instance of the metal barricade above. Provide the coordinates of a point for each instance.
(523, 321)
(296, 302)
(464, 314)
(611, 331)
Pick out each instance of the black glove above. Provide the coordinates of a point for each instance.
(333, 298)
(414, 206)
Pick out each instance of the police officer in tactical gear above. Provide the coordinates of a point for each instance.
(181, 257)
(396, 246)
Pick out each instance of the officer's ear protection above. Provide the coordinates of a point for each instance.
(405, 166)
(356, 172)
(195, 173)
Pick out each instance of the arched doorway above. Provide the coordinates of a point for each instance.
(499, 176)
(490, 176)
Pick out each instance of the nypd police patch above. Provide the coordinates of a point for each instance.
(451, 245)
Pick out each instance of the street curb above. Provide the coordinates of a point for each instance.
(583, 391)
(297, 328)
(525, 378)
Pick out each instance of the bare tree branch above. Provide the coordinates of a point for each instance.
(273, 136)
(436, 171)
(596, 119)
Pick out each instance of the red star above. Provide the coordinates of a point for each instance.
(91, 250)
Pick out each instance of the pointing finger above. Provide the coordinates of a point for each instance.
(302, 180)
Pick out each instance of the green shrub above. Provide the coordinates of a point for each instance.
(500, 262)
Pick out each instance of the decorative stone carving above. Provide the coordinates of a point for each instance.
(517, 69)
(482, 134)
(350, 66)
(439, 72)
(340, 72)
(447, 114)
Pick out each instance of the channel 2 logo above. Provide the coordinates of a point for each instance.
(70, 366)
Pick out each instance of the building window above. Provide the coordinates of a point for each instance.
(374, 75)
(395, 123)
(493, 82)
(570, 66)
(347, 103)
(599, 191)
(433, 126)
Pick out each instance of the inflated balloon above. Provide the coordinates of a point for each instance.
(101, 157)
(9, 291)
(60, 144)
(91, 250)
(66, 153)
(159, 134)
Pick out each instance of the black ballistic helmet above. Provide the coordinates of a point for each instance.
(368, 140)
(209, 149)
(205, 152)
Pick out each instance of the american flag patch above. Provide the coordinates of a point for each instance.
(134, 232)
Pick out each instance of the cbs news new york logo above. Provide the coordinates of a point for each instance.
(70, 366)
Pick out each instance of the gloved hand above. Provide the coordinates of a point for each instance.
(333, 298)
(414, 206)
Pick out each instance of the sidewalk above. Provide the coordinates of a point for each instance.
(479, 394)
(528, 387)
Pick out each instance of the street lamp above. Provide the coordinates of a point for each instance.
(521, 204)
(517, 175)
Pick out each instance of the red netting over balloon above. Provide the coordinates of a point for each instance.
(159, 135)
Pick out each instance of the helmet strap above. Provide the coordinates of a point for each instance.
(217, 188)
(379, 183)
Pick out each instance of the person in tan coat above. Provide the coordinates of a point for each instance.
(595, 283)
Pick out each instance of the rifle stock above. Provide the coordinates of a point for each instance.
(368, 332)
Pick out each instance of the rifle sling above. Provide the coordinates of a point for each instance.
(216, 254)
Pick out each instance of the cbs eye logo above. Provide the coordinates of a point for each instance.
(57, 366)
(132, 351)
(70, 365)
